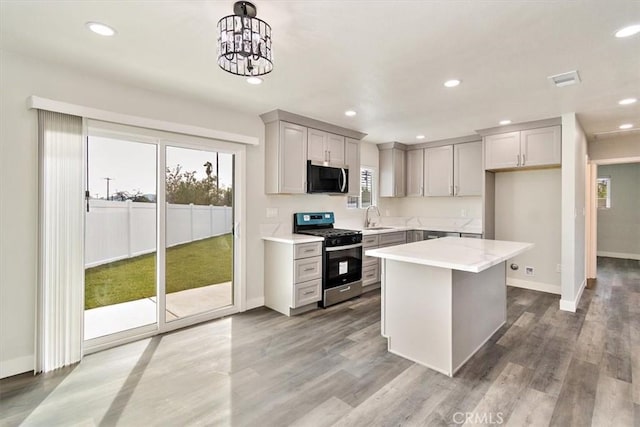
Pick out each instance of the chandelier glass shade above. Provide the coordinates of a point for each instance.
(244, 42)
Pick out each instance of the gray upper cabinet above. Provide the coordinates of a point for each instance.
(326, 147)
(415, 173)
(447, 170)
(541, 147)
(467, 169)
(527, 148)
(291, 140)
(502, 151)
(352, 160)
(438, 171)
(286, 155)
(392, 172)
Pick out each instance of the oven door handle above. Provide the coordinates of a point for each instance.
(341, 248)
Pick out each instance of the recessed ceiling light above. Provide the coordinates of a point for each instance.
(628, 31)
(452, 83)
(254, 80)
(420, 137)
(350, 113)
(505, 122)
(626, 126)
(102, 29)
(627, 101)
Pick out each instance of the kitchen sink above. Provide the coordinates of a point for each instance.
(378, 228)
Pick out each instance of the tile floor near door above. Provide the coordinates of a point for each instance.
(331, 367)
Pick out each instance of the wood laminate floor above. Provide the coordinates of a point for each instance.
(330, 367)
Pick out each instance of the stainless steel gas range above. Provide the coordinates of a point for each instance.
(342, 255)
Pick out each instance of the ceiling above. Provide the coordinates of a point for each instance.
(387, 60)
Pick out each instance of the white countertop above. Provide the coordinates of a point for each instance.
(456, 253)
(293, 238)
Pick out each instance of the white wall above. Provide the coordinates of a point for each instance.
(574, 153)
(527, 209)
(21, 77)
(619, 226)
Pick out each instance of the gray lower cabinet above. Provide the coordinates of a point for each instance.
(371, 267)
(292, 276)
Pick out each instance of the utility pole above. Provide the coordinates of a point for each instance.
(108, 180)
(217, 177)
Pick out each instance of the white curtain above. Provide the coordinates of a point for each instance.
(61, 273)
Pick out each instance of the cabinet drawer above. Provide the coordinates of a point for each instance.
(307, 269)
(387, 239)
(307, 250)
(307, 293)
(369, 260)
(368, 241)
(370, 274)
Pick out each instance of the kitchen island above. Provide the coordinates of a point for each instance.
(442, 299)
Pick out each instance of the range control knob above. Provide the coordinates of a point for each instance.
(334, 242)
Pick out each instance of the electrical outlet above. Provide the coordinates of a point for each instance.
(463, 213)
(559, 268)
(529, 271)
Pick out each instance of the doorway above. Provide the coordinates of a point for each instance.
(161, 241)
(613, 229)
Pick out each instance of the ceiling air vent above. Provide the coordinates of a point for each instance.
(565, 79)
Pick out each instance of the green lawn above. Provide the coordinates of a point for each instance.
(191, 265)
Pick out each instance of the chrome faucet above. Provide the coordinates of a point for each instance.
(367, 219)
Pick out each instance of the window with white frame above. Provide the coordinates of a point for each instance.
(604, 193)
(366, 197)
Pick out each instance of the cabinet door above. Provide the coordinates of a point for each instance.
(467, 169)
(386, 173)
(399, 172)
(293, 158)
(438, 171)
(540, 147)
(502, 151)
(415, 162)
(335, 149)
(352, 159)
(317, 146)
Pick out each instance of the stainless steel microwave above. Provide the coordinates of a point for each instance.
(327, 179)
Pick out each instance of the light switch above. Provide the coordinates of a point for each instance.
(272, 212)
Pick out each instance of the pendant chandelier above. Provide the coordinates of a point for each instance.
(244, 42)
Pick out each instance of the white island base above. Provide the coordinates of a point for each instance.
(440, 317)
(442, 299)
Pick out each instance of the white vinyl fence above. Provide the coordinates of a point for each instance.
(119, 230)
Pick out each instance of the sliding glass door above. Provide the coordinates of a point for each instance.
(120, 236)
(199, 224)
(160, 247)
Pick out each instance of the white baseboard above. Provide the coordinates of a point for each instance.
(535, 286)
(254, 303)
(568, 305)
(618, 255)
(19, 365)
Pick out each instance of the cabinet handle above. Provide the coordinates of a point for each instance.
(455, 190)
(523, 160)
(309, 250)
(309, 292)
(309, 269)
(422, 191)
(451, 190)
(518, 161)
